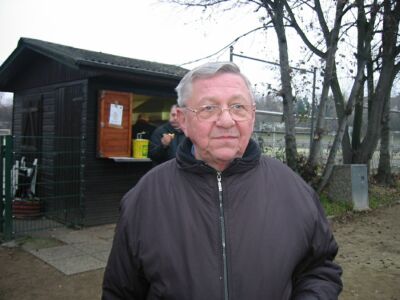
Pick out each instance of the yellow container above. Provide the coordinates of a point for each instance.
(140, 148)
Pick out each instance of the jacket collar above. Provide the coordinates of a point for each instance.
(187, 161)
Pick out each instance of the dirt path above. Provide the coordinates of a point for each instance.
(23, 277)
(369, 254)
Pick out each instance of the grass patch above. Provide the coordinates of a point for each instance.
(383, 196)
(378, 196)
(335, 208)
(35, 243)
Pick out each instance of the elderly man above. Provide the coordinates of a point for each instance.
(221, 221)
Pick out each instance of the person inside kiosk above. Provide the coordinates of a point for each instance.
(165, 139)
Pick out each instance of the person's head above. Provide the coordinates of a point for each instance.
(144, 117)
(218, 135)
(173, 118)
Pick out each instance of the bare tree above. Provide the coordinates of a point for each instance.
(331, 39)
(358, 152)
(384, 175)
(275, 11)
(390, 49)
(281, 14)
(364, 47)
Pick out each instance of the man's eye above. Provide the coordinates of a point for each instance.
(208, 108)
(237, 107)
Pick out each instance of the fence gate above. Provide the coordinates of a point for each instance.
(41, 183)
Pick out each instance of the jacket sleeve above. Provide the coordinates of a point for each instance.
(318, 276)
(157, 151)
(123, 276)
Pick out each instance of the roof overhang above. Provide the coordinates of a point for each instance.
(97, 63)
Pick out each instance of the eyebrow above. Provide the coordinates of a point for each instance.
(214, 99)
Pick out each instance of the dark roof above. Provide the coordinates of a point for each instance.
(85, 59)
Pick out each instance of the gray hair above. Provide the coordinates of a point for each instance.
(207, 70)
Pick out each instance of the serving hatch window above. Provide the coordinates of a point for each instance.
(118, 113)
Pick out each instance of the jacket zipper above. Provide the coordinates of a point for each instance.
(223, 236)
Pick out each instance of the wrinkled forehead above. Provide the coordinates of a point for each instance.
(227, 87)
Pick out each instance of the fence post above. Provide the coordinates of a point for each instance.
(2, 196)
(8, 201)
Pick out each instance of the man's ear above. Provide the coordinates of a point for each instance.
(181, 116)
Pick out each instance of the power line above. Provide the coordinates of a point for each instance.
(224, 48)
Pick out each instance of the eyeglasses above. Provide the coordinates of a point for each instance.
(211, 113)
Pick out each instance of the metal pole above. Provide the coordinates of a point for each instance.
(2, 196)
(8, 200)
(273, 136)
(268, 62)
(82, 161)
(313, 107)
(231, 53)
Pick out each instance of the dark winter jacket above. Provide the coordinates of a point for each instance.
(157, 151)
(144, 128)
(255, 231)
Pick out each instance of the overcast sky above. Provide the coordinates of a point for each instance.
(143, 29)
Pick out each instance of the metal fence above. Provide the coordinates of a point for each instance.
(41, 179)
(272, 143)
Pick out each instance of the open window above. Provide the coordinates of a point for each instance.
(118, 115)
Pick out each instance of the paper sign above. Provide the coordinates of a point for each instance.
(116, 114)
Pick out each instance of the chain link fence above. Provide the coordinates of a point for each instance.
(40, 184)
(272, 143)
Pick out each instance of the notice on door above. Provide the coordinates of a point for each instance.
(116, 115)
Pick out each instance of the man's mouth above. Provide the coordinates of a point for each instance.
(223, 137)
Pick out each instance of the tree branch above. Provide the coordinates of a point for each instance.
(321, 19)
(223, 48)
(300, 32)
(198, 3)
(396, 69)
(397, 51)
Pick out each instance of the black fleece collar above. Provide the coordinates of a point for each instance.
(188, 162)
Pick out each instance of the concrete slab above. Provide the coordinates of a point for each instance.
(106, 232)
(102, 256)
(54, 253)
(73, 237)
(77, 250)
(76, 264)
(93, 246)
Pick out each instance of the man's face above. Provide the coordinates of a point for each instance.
(173, 117)
(217, 143)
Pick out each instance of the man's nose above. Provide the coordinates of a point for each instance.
(225, 118)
